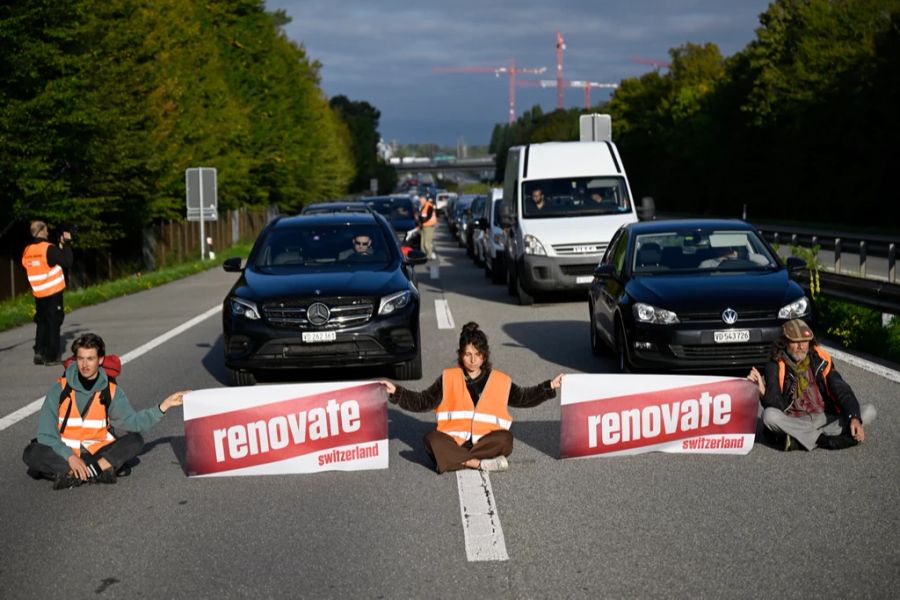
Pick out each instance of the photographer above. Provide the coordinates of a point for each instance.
(44, 264)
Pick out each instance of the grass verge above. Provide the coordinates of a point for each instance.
(20, 310)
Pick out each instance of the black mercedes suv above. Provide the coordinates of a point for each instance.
(324, 290)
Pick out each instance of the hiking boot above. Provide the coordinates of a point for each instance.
(836, 442)
(66, 481)
(38, 359)
(498, 463)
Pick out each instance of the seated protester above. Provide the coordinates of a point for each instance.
(470, 401)
(362, 248)
(805, 399)
(75, 443)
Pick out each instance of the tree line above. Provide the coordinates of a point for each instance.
(801, 124)
(105, 103)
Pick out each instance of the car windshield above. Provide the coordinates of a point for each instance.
(339, 245)
(713, 251)
(574, 197)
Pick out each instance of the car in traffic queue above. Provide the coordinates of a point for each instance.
(400, 211)
(334, 206)
(308, 298)
(692, 295)
(492, 243)
(471, 233)
(456, 219)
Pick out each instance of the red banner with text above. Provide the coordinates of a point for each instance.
(630, 414)
(300, 428)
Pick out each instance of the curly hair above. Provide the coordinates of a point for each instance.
(89, 340)
(472, 334)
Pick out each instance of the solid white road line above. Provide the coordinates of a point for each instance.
(480, 519)
(31, 408)
(443, 314)
(864, 364)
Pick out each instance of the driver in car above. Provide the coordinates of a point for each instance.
(362, 247)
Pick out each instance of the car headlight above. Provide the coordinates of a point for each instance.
(394, 302)
(244, 308)
(534, 246)
(794, 310)
(646, 313)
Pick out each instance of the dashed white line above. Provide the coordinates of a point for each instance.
(32, 407)
(480, 519)
(443, 314)
(434, 272)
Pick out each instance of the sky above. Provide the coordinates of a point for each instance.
(385, 51)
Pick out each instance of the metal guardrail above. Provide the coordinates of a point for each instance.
(871, 293)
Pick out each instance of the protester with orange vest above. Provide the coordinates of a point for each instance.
(471, 404)
(76, 443)
(806, 403)
(427, 223)
(44, 264)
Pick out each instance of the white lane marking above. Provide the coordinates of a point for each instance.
(435, 272)
(31, 408)
(443, 314)
(480, 519)
(864, 364)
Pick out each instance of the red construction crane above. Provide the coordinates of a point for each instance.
(511, 71)
(553, 83)
(560, 46)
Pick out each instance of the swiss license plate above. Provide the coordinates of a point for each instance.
(731, 336)
(584, 279)
(319, 336)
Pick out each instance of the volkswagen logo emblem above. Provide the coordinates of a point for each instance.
(730, 316)
(318, 313)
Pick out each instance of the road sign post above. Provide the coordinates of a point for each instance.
(202, 199)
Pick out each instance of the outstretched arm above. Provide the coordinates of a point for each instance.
(528, 397)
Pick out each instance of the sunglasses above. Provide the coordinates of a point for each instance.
(362, 243)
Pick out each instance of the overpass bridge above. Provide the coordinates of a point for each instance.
(483, 166)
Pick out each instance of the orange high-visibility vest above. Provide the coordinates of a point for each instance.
(90, 430)
(828, 362)
(432, 221)
(459, 417)
(44, 279)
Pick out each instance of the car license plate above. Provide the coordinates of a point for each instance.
(584, 279)
(731, 336)
(319, 336)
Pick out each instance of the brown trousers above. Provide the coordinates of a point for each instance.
(450, 456)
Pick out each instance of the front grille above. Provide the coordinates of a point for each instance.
(345, 312)
(736, 352)
(744, 316)
(583, 249)
(578, 270)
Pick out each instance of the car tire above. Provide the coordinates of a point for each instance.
(409, 370)
(238, 378)
(525, 299)
(488, 272)
(623, 363)
(498, 274)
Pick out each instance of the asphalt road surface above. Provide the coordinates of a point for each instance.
(819, 524)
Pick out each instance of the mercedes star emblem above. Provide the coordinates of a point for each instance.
(318, 313)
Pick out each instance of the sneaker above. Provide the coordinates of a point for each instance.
(66, 481)
(498, 463)
(433, 256)
(836, 442)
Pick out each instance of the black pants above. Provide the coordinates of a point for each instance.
(450, 456)
(48, 316)
(44, 460)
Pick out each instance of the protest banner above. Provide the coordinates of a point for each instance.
(296, 428)
(614, 415)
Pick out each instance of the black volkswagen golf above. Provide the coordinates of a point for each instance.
(693, 295)
(326, 290)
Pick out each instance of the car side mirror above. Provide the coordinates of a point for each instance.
(605, 270)
(416, 257)
(232, 265)
(795, 263)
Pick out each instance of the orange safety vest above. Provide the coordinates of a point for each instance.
(459, 417)
(44, 279)
(426, 204)
(90, 430)
(822, 354)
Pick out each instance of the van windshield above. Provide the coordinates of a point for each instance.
(574, 197)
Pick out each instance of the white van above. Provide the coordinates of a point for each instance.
(562, 203)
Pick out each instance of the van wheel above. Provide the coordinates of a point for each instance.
(525, 299)
(238, 378)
